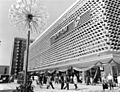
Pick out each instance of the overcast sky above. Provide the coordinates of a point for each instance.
(7, 32)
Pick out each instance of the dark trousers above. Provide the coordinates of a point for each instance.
(62, 85)
(67, 86)
(110, 84)
(75, 86)
(105, 86)
(50, 84)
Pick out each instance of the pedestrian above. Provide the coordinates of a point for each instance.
(110, 81)
(62, 81)
(88, 80)
(36, 79)
(40, 81)
(104, 83)
(67, 80)
(56, 79)
(80, 78)
(91, 80)
(49, 82)
(71, 79)
(118, 80)
(75, 81)
(34, 83)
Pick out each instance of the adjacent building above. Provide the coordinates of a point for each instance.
(86, 37)
(17, 62)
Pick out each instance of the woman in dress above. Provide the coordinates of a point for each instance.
(104, 83)
(75, 81)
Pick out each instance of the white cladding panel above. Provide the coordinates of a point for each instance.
(91, 26)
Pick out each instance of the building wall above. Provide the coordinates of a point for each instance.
(89, 27)
(18, 55)
(112, 12)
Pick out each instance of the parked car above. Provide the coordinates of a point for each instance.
(4, 78)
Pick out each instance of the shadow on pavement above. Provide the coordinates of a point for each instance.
(79, 89)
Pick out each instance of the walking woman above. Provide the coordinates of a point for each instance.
(75, 81)
(34, 83)
(104, 83)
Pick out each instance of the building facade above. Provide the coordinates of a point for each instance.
(86, 35)
(17, 62)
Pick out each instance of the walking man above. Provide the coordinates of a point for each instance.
(62, 81)
(110, 81)
(118, 80)
(40, 81)
(49, 82)
(67, 82)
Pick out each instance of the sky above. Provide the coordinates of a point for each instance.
(7, 31)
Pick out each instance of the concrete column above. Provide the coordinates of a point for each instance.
(111, 71)
(83, 77)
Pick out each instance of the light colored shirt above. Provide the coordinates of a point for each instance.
(36, 77)
(118, 79)
(110, 77)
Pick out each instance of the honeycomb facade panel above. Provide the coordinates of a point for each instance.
(89, 27)
(112, 8)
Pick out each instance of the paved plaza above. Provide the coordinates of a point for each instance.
(81, 88)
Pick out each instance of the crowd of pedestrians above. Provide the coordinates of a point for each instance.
(64, 80)
(108, 82)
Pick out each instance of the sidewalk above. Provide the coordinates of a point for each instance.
(8, 86)
(81, 88)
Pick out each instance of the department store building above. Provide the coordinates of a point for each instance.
(85, 36)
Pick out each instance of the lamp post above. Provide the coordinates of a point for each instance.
(30, 16)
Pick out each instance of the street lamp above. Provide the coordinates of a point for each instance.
(30, 16)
